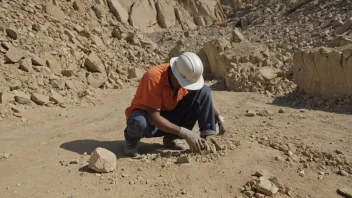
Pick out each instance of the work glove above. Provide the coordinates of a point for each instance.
(221, 123)
(195, 142)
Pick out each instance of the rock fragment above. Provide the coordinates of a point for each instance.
(237, 36)
(96, 80)
(12, 33)
(40, 99)
(250, 113)
(56, 98)
(26, 64)
(266, 187)
(14, 55)
(94, 63)
(183, 159)
(54, 66)
(36, 60)
(102, 160)
(134, 72)
(343, 173)
(22, 97)
(346, 192)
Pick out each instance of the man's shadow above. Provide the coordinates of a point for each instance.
(117, 147)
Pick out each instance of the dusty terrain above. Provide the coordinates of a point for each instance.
(42, 149)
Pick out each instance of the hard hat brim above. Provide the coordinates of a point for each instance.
(186, 84)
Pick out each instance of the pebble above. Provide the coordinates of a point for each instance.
(301, 173)
(281, 111)
(290, 153)
(131, 182)
(343, 173)
(321, 173)
(250, 113)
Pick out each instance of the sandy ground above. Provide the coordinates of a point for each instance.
(41, 151)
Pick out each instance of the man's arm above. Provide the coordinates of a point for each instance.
(161, 123)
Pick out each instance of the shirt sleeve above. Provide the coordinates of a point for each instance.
(151, 96)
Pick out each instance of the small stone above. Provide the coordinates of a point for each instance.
(134, 72)
(302, 110)
(16, 109)
(4, 155)
(40, 99)
(183, 159)
(67, 72)
(281, 111)
(6, 45)
(301, 173)
(96, 80)
(131, 182)
(259, 195)
(343, 173)
(36, 60)
(54, 66)
(94, 64)
(6, 97)
(183, 192)
(26, 64)
(58, 83)
(35, 27)
(69, 84)
(277, 158)
(321, 173)
(250, 113)
(290, 153)
(74, 161)
(12, 33)
(124, 175)
(14, 55)
(102, 160)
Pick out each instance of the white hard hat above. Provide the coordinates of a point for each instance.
(188, 70)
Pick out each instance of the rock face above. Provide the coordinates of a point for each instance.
(118, 11)
(143, 14)
(324, 72)
(102, 160)
(166, 15)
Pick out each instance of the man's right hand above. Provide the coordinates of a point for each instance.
(195, 142)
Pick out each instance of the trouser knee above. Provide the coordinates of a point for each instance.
(136, 127)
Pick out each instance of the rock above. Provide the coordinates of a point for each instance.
(265, 74)
(4, 155)
(263, 173)
(14, 55)
(26, 64)
(183, 159)
(56, 98)
(6, 97)
(102, 160)
(6, 45)
(40, 99)
(259, 195)
(343, 173)
(166, 14)
(344, 27)
(16, 109)
(69, 84)
(54, 66)
(58, 83)
(12, 33)
(118, 11)
(134, 72)
(56, 12)
(265, 113)
(67, 72)
(250, 113)
(78, 5)
(346, 192)
(22, 97)
(237, 36)
(94, 63)
(143, 14)
(301, 173)
(36, 60)
(199, 20)
(290, 153)
(281, 111)
(96, 79)
(74, 161)
(321, 173)
(266, 187)
(36, 27)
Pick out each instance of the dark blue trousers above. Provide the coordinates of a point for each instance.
(194, 106)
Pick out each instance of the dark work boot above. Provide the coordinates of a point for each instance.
(131, 149)
(174, 142)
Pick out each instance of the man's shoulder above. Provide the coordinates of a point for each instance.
(156, 72)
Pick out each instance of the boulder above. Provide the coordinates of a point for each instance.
(14, 55)
(94, 64)
(266, 187)
(166, 15)
(96, 79)
(102, 160)
(324, 72)
(143, 14)
(118, 11)
(40, 99)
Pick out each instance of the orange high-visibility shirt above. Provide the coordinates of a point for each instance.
(154, 91)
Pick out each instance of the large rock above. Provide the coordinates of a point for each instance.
(266, 187)
(102, 160)
(96, 80)
(143, 14)
(94, 63)
(26, 65)
(324, 72)
(14, 55)
(56, 12)
(118, 11)
(166, 14)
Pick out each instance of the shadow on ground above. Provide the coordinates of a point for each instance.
(82, 146)
(303, 101)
